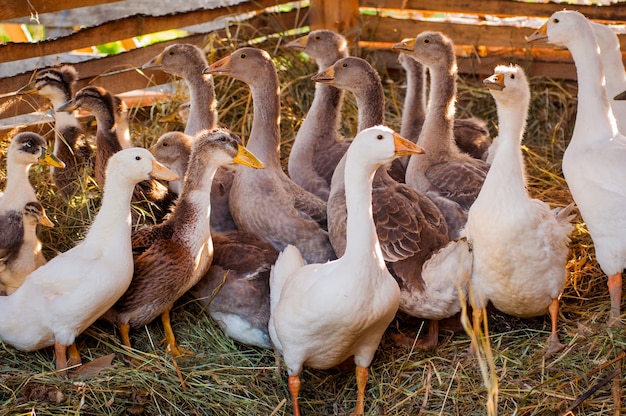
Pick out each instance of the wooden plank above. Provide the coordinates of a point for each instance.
(11, 9)
(613, 12)
(128, 27)
(339, 16)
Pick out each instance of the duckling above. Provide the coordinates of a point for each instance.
(593, 162)
(235, 290)
(318, 146)
(188, 61)
(60, 299)
(16, 265)
(173, 149)
(520, 245)
(267, 202)
(322, 314)
(471, 135)
(452, 179)
(171, 257)
(412, 231)
(25, 150)
(70, 144)
(104, 106)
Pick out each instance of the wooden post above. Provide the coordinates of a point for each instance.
(341, 16)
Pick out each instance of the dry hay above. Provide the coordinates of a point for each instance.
(226, 378)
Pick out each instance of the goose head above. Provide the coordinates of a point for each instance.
(34, 214)
(29, 148)
(178, 59)
(325, 46)
(561, 28)
(379, 145)
(222, 147)
(348, 74)
(55, 84)
(429, 48)
(172, 147)
(94, 99)
(137, 164)
(508, 85)
(250, 65)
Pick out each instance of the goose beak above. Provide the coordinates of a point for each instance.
(325, 77)
(495, 82)
(406, 46)
(539, 34)
(153, 63)
(404, 147)
(68, 107)
(159, 171)
(27, 89)
(47, 158)
(219, 67)
(299, 44)
(45, 221)
(620, 96)
(246, 158)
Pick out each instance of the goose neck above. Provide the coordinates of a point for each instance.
(371, 106)
(437, 129)
(202, 104)
(264, 140)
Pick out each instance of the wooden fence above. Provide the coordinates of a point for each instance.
(486, 33)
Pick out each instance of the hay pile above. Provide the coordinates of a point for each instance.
(226, 378)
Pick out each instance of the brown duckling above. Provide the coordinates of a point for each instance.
(70, 144)
(19, 263)
(267, 202)
(171, 257)
(104, 106)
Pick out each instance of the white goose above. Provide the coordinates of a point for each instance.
(321, 314)
(60, 299)
(593, 163)
(519, 244)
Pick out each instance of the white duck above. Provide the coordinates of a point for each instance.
(321, 314)
(62, 298)
(519, 244)
(16, 265)
(593, 163)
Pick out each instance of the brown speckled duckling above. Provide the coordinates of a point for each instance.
(17, 264)
(172, 256)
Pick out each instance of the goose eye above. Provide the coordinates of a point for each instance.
(426, 40)
(344, 65)
(29, 144)
(170, 53)
(512, 76)
(380, 137)
(555, 20)
(317, 37)
(242, 56)
(222, 139)
(165, 144)
(137, 157)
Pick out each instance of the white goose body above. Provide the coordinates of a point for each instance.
(321, 314)
(519, 244)
(62, 298)
(593, 163)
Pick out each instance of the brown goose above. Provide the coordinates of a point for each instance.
(318, 146)
(188, 61)
(103, 105)
(409, 226)
(451, 178)
(19, 263)
(471, 135)
(70, 144)
(171, 257)
(173, 149)
(267, 202)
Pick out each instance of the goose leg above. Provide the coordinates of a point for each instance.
(60, 351)
(615, 291)
(432, 338)
(294, 389)
(170, 339)
(362, 374)
(554, 345)
(74, 359)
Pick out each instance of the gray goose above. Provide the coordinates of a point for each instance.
(19, 263)
(267, 202)
(318, 146)
(471, 135)
(188, 61)
(451, 178)
(70, 144)
(409, 226)
(171, 257)
(153, 196)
